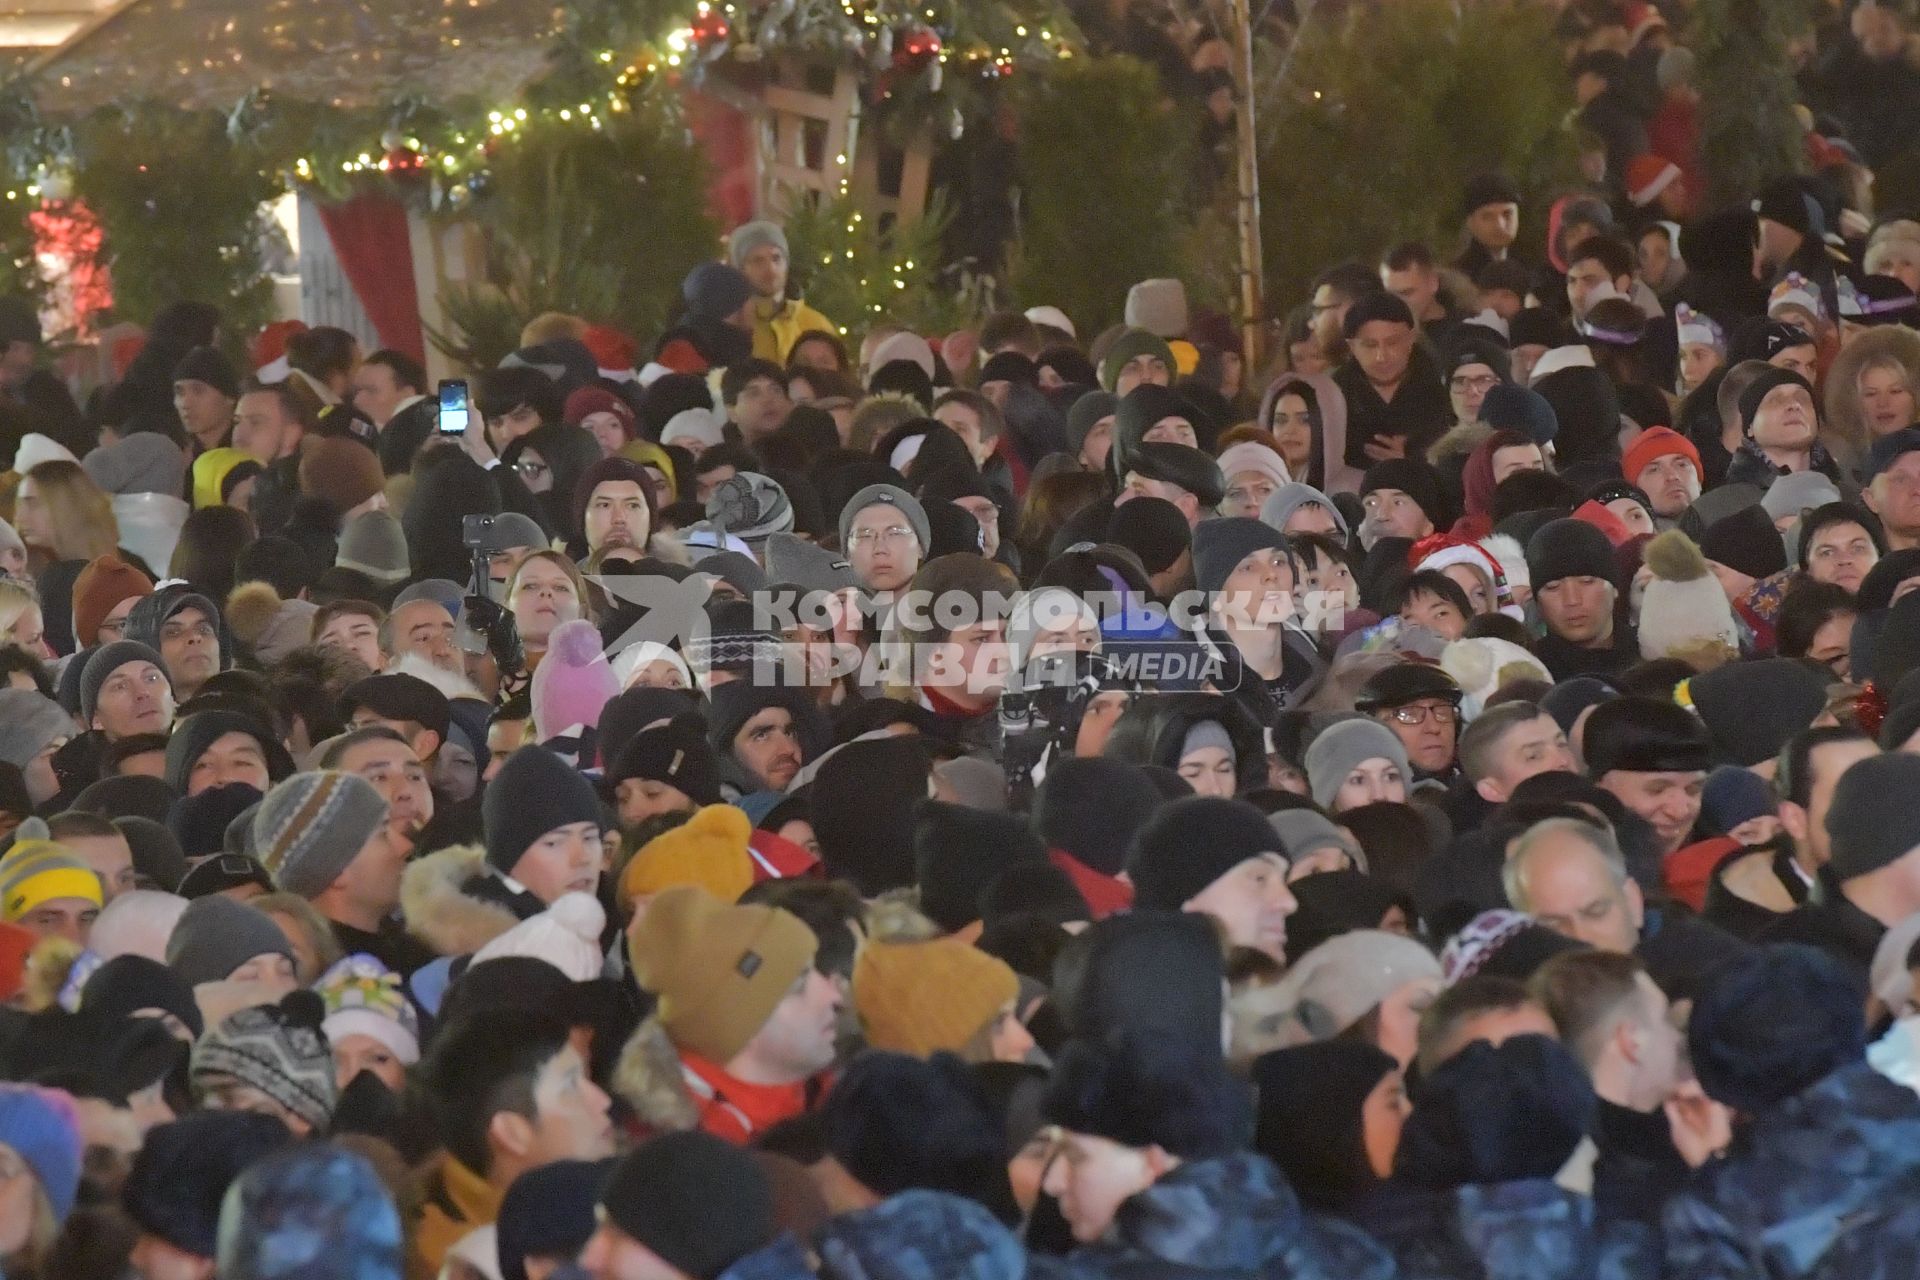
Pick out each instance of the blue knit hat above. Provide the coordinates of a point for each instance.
(311, 1212)
(1773, 1023)
(41, 1125)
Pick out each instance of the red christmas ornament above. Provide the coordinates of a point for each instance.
(709, 29)
(916, 50)
(404, 162)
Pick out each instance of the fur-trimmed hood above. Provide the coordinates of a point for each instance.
(648, 1078)
(1458, 442)
(440, 913)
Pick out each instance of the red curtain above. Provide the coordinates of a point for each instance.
(369, 234)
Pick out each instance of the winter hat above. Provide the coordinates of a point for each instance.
(1684, 613)
(1655, 443)
(224, 871)
(1638, 734)
(183, 1169)
(676, 753)
(1289, 498)
(1746, 541)
(1086, 414)
(217, 472)
(365, 998)
(1734, 795)
(1378, 305)
(1758, 389)
(217, 935)
(750, 506)
(1751, 708)
(1309, 1121)
(864, 797)
(205, 364)
(1090, 809)
(749, 236)
(1152, 529)
(1340, 748)
(1180, 465)
(585, 401)
(145, 462)
(973, 782)
(1250, 455)
(1501, 943)
(701, 425)
(341, 470)
(910, 347)
(566, 935)
(925, 997)
(36, 448)
(1220, 544)
(127, 983)
(1159, 307)
(1483, 665)
(535, 792)
(1568, 548)
(1130, 345)
(193, 735)
(715, 291)
(314, 1211)
(102, 584)
(1142, 1089)
(1190, 843)
(709, 849)
(277, 1049)
(794, 561)
(957, 853)
(36, 871)
(1871, 822)
(548, 1212)
(373, 543)
(697, 1203)
(1493, 1114)
(1334, 985)
(1772, 1022)
(718, 971)
(1585, 405)
(1796, 494)
(1415, 479)
(28, 722)
(43, 1128)
(1511, 407)
(890, 496)
(1304, 831)
(107, 659)
(311, 827)
(574, 682)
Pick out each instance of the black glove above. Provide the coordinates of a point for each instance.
(486, 617)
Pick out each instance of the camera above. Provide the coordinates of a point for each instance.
(474, 530)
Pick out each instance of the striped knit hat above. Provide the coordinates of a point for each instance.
(277, 1049)
(36, 871)
(313, 825)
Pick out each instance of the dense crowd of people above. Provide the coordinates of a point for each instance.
(1014, 802)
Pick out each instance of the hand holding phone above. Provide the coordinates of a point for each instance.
(455, 408)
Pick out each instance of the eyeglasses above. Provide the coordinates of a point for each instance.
(1443, 713)
(531, 470)
(115, 627)
(892, 535)
(1474, 382)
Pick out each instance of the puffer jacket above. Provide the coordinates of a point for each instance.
(920, 1235)
(1233, 1218)
(784, 1259)
(1822, 1171)
(1527, 1230)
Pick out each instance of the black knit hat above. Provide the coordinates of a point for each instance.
(1745, 540)
(957, 854)
(697, 1202)
(1153, 971)
(180, 1176)
(1491, 1114)
(1309, 1120)
(535, 792)
(1376, 305)
(1751, 708)
(676, 753)
(1147, 404)
(863, 800)
(633, 710)
(127, 984)
(738, 701)
(1775, 1021)
(548, 1212)
(1180, 465)
(128, 795)
(1151, 528)
(106, 660)
(157, 859)
(1484, 189)
(1873, 822)
(200, 822)
(204, 364)
(1587, 409)
(1145, 1090)
(1415, 479)
(899, 1123)
(1762, 385)
(1466, 349)
(194, 734)
(1090, 809)
(1645, 735)
(1762, 338)
(1785, 201)
(1537, 327)
(1085, 413)
(1569, 548)
(1189, 844)
(1220, 544)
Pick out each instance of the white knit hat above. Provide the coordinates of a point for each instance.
(1249, 455)
(566, 935)
(364, 998)
(1684, 613)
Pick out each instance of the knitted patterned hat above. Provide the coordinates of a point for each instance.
(364, 998)
(276, 1049)
(37, 871)
(311, 827)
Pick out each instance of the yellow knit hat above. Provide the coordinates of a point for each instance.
(709, 849)
(718, 971)
(922, 997)
(210, 471)
(35, 872)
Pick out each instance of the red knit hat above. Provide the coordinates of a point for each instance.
(1657, 442)
(611, 349)
(104, 583)
(598, 400)
(1647, 176)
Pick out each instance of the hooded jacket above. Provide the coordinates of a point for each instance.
(440, 907)
(1800, 1180)
(1154, 730)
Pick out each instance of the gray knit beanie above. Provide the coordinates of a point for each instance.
(1342, 747)
(28, 722)
(888, 495)
(107, 659)
(216, 935)
(373, 543)
(311, 827)
(751, 507)
(749, 236)
(794, 562)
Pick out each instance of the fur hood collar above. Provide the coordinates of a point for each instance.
(1458, 442)
(440, 913)
(648, 1078)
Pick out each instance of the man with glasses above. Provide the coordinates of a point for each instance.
(885, 535)
(1474, 367)
(103, 595)
(1421, 704)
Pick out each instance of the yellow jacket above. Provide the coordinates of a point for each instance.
(456, 1201)
(774, 334)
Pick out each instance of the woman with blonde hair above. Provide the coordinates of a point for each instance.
(1872, 390)
(66, 520)
(21, 621)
